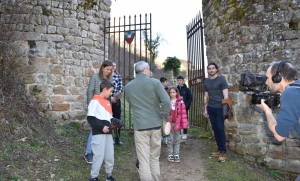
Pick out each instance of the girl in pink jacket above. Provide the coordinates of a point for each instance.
(178, 120)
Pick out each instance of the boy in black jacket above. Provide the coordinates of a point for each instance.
(187, 97)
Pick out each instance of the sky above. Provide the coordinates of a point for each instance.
(169, 18)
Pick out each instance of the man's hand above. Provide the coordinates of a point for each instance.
(205, 114)
(264, 106)
(113, 99)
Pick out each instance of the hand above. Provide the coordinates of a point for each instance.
(263, 106)
(205, 114)
(105, 129)
(113, 100)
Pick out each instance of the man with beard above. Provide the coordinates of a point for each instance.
(282, 78)
(216, 89)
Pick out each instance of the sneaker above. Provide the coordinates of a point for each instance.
(94, 179)
(110, 179)
(184, 136)
(176, 158)
(171, 158)
(88, 158)
(119, 143)
(222, 157)
(216, 153)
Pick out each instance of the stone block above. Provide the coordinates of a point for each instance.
(87, 42)
(275, 152)
(40, 29)
(51, 29)
(248, 129)
(60, 90)
(41, 78)
(76, 106)
(94, 28)
(292, 153)
(291, 166)
(241, 149)
(60, 107)
(90, 72)
(71, 98)
(41, 65)
(59, 79)
(56, 99)
(54, 38)
(75, 32)
(77, 115)
(68, 54)
(63, 45)
(69, 81)
(37, 10)
(28, 79)
(79, 82)
(56, 69)
(70, 39)
(84, 24)
(78, 41)
(256, 150)
(75, 90)
(70, 23)
(78, 55)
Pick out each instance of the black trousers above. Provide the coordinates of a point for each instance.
(116, 109)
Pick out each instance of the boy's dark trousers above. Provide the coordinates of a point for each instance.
(116, 109)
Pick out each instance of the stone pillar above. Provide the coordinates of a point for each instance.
(60, 43)
(246, 36)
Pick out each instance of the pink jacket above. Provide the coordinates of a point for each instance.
(181, 116)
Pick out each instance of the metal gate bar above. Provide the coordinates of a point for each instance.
(196, 70)
(124, 54)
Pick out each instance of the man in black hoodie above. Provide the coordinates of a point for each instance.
(187, 97)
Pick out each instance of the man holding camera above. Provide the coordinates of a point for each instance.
(282, 79)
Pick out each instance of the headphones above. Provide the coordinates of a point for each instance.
(277, 77)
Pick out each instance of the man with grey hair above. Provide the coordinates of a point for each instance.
(144, 95)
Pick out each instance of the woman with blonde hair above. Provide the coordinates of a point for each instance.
(105, 72)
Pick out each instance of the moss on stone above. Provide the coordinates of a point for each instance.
(238, 14)
(216, 3)
(88, 4)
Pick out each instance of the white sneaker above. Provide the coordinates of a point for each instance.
(184, 136)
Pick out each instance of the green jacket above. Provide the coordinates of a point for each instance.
(93, 88)
(144, 95)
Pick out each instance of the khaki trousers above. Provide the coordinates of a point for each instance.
(148, 145)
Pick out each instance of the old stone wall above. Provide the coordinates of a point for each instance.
(60, 43)
(246, 36)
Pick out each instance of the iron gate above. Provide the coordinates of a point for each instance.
(196, 70)
(126, 54)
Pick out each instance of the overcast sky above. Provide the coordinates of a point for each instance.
(169, 18)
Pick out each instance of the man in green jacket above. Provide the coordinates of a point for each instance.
(144, 95)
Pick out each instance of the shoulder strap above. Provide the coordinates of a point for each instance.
(210, 89)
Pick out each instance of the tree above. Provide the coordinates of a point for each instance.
(152, 45)
(172, 63)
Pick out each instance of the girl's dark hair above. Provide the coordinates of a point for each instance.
(106, 84)
(214, 64)
(106, 63)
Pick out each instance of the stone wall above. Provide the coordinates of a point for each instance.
(60, 43)
(246, 36)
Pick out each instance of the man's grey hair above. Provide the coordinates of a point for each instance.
(140, 66)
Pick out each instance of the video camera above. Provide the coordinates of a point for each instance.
(257, 84)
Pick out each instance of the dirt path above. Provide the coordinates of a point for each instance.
(190, 167)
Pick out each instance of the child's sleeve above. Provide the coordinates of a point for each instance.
(95, 123)
(184, 120)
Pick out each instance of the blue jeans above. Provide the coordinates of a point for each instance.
(217, 122)
(88, 149)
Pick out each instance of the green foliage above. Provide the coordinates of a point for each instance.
(172, 63)
(152, 45)
(274, 173)
(36, 89)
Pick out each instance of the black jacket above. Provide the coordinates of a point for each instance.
(98, 125)
(186, 95)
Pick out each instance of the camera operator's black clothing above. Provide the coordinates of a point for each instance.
(186, 95)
